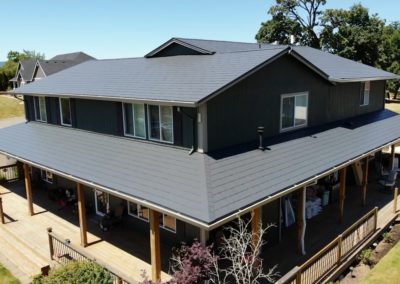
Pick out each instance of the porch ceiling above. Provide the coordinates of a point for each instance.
(198, 188)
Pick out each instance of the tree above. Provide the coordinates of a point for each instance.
(352, 33)
(238, 251)
(16, 56)
(299, 18)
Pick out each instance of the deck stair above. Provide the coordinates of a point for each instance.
(20, 259)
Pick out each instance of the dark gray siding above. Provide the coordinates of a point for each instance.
(97, 116)
(53, 111)
(234, 115)
(176, 49)
(29, 108)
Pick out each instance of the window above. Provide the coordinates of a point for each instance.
(134, 120)
(294, 109)
(102, 202)
(364, 93)
(65, 111)
(161, 123)
(46, 176)
(167, 222)
(40, 109)
(138, 211)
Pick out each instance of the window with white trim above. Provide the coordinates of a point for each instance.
(65, 111)
(39, 104)
(364, 93)
(46, 176)
(134, 120)
(138, 211)
(294, 110)
(161, 123)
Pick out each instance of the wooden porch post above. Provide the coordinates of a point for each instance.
(256, 225)
(204, 234)
(396, 193)
(155, 246)
(301, 220)
(365, 181)
(392, 156)
(28, 188)
(82, 214)
(342, 193)
(1, 212)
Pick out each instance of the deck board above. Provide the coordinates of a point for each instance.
(30, 235)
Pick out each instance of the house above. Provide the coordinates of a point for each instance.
(199, 132)
(31, 70)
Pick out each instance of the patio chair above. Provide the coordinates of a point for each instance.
(390, 180)
(112, 219)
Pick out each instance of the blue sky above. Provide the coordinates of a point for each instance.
(130, 28)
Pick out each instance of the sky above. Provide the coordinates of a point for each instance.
(131, 28)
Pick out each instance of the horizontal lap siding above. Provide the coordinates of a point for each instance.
(235, 114)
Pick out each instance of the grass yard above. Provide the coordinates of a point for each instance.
(10, 107)
(393, 107)
(387, 270)
(6, 277)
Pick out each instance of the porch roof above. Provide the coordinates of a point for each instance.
(201, 189)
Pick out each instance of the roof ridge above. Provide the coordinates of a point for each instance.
(231, 41)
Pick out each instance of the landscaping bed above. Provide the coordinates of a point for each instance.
(364, 266)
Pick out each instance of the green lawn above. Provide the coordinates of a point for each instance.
(6, 277)
(10, 107)
(387, 271)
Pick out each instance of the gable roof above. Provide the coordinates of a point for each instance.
(75, 56)
(200, 188)
(26, 69)
(191, 79)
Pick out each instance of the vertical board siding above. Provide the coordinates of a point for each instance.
(97, 116)
(235, 114)
(53, 110)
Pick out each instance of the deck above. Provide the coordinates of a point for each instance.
(325, 227)
(24, 242)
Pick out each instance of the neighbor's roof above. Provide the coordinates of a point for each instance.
(75, 56)
(53, 66)
(191, 79)
(200, 187)
(26, 69)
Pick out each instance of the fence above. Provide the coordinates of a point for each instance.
(332, 255)
(63, 251)
(10, 173)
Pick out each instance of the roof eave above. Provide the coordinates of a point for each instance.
(111, 98)
(363, 79)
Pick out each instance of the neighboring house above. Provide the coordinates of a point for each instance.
(175, 132)
(31, 70)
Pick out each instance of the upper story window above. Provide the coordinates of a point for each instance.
(40, 109)
(364, 93)
(134, 120)
(65, 111)
(161, 123)
(294, 110)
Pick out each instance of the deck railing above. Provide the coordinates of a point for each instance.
(63, 251)
(10, 173)
(332, 255)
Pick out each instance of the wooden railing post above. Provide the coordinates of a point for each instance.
(298, 277)
(51, 247)
(375, 218)
(1, 212)
(396, 193)
(339, 249)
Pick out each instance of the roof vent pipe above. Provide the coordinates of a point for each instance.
(260, 131)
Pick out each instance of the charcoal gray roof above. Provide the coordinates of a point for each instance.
(26, 69)
(199, 186)
(53, 66)
(185, 79)
(190, 79)
(75, 56)
(339, 69)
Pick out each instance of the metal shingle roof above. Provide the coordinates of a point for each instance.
(185, 79)
(199, 186)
